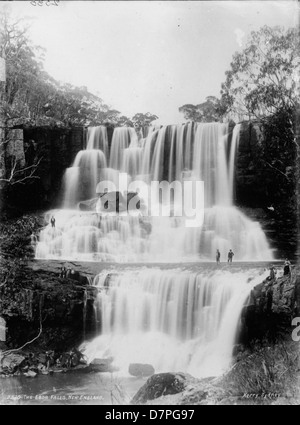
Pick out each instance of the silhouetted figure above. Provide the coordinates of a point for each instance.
(230, 255)
(218, 256)
(273, 273)
(63, 272)
(52, 221)
(287, 268)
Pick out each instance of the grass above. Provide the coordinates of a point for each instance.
(266, 372)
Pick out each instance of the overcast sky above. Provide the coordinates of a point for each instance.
(148, 56)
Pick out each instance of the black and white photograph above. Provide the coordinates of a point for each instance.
(149, 205)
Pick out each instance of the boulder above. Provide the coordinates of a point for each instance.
(112, 202)
(101, 365)
(139, 369)
(12, 362)
(30, 374)
(158, 385)
(89, 205)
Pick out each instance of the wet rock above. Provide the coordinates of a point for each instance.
(42, 358)
(63, 302)
(272, 305)
(101, 365)
(30, 374)
(139, 369)
(161, 384)
(11, 362)
(89, 205)
(237, 350)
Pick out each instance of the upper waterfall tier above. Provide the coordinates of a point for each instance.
(157, 229)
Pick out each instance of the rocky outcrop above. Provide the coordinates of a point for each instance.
(262, 194)
(183, 390)
(63, 307)
(162, 384)
(272, 306)
(30, 364)
(15, 147)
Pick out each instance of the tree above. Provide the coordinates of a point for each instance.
(264, 77)
(33, 97)
(209, 111)
(12, 45)
(143, 120)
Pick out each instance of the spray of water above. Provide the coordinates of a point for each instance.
(175, 320)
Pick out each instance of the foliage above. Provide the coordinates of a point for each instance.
(15, 236)
(266, 370)
(209, 111)
(276, 154)
(33, 97)
(143, 120)
(264, 77)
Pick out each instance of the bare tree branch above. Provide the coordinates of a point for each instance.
(277, 169)
(20, 180)
(7, 352)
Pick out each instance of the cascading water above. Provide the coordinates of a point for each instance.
(174, 153)
(175, 320)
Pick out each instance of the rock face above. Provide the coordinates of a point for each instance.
(15, 147)
(272, 306)
(64, 305)
(12, 362)
(254, 193)
(55, 149)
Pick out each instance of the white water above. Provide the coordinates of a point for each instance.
(181, 153)
(174, 320)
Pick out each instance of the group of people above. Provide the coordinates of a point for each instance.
(287, 270)
(229, 256)
(66, 272)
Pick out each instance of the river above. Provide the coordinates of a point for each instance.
(71, 388)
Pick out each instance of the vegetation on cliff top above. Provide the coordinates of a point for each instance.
(33, 97)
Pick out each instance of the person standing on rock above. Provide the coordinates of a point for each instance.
(273, 273)
(52, 221)
(218, 256)
(287, 268)
(230, 255)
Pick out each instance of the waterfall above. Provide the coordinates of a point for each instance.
(176, 153)
(176, 320)
(80, 180)
(97, 139)
(180, 319)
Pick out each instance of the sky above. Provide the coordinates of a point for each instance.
(148, 56)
